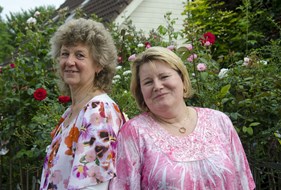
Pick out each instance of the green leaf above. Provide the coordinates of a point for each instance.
(254, 124)
(224, 90)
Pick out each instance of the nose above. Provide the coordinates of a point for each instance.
(70, 60)
(157, 85)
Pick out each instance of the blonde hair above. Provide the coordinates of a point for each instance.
(101, 45)
(158, 54)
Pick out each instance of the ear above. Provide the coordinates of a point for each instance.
(99, 69)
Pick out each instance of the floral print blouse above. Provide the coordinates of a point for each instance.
(83, 153)
(210, 158)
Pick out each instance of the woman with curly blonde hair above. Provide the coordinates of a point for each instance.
(83, 148)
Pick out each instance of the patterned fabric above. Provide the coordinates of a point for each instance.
(83, 153)
(210, 158)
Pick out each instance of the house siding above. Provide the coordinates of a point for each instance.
(150, 14)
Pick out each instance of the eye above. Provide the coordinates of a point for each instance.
(64, 54)
(80, 56)
(148, 82)
(164, 77)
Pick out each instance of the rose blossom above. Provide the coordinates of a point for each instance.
(31, 20)
(189, 47)
(201, 67)
(127, 72)
(147, 45)
(207, 43)
(246, 61)
(118, 67)
(36, 14)
(192, 57)
(40, 94)
(132, 57)
(171, 47)
(208, 37)
(64, 99)
(12, 65)
(222, 73)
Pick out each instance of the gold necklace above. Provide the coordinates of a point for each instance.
(182, 130)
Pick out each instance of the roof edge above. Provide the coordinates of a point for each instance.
(120, 19)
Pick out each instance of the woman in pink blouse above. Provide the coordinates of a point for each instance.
(173, 146)
(83, 148)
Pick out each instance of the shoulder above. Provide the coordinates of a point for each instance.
(138, 120)
(211, 113)
(214, 120)
(102, 98)
(105, 106)
(103, 101)
(136, 123)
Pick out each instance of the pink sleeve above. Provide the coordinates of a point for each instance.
(237, 154)
(128, 160)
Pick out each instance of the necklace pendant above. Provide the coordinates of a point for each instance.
(182, 130)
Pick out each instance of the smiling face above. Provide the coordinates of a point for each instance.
(77, 66)
(161, 86)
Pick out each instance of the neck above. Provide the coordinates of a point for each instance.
(80, 94)
(176, 125)
(173, 116)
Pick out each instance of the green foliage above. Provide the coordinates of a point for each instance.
(5, 39)
(202, 16)
(25, 122)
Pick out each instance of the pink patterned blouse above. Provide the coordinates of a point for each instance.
(83, 153)
(210, 158)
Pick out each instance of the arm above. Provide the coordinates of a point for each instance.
(237, 154)
(128, 160)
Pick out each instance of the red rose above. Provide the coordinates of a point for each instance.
(64, 99)
(12, 65)
(40, 94)
(208, 37)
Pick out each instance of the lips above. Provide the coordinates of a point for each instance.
(70, 71)
(159, 95)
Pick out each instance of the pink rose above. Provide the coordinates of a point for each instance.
(201, 67)
(171, 47)
(192, 57)
(189, 47)
(132, 57)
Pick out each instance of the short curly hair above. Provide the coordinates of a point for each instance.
(158, 54)
(101, 45)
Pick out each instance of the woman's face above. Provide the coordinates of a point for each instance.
(161, 86)
(77, 66)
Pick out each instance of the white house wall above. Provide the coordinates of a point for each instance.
(149, 14)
